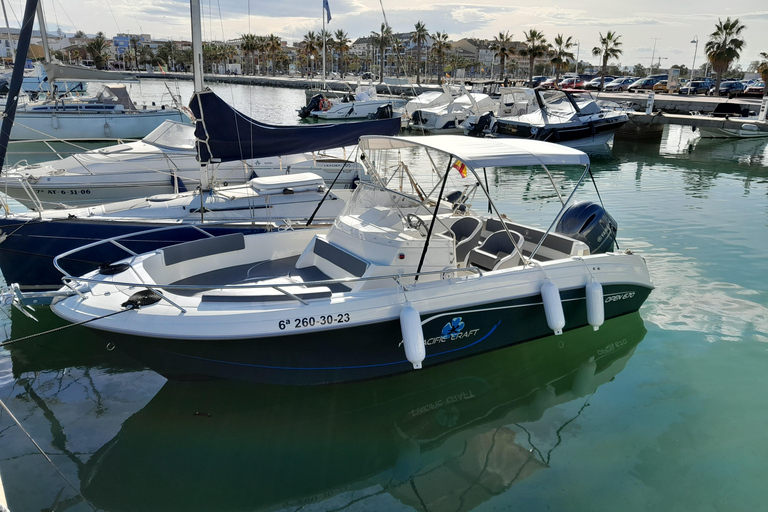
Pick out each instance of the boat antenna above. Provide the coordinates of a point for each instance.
(9, 115)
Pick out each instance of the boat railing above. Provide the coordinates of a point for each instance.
(72, 282)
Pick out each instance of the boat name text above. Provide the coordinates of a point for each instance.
(71, 192)
(311, 321)
(619, 296)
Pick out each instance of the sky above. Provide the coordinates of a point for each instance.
(662, 29)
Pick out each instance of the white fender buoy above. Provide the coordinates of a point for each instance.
(55, 122)
(553, 307)
(107, 130)
(413, 336)
(595, 304)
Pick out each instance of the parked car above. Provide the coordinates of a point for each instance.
(367, 76)
(728, 88)
(620, 84)
(642, 84)
(660, 86)
(549, 83)
(694, 87)
(756, 89)
(572, 83)
(594, 84)
(537, 81)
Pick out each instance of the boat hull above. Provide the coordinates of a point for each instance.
(367, 351)
(28, 247)
(575, 136)
(88, 126)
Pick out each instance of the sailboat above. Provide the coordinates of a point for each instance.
(277, 203)
(110, 114)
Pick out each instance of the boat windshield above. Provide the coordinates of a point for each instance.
(172, 134)
(556, 101)
(372, 205)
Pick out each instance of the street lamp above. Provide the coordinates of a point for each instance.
(695, 49)
(578, 47)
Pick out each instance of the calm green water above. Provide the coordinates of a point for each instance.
(665, 410)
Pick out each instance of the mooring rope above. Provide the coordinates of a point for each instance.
(10, 342)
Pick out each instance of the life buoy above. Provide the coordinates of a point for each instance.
(325, 104)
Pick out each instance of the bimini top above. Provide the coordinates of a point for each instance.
(489, 152)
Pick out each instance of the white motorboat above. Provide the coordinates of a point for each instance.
(364, 104)
(565, 117)
(163, 162)
(406, 276)
(747, 126)
(447, 118)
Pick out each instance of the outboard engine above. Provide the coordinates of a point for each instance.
(482, 124)
(588, 222)
(384, 112)
(417, 118)
(312, 105)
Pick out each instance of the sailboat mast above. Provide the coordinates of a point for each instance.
(197, 45)
(43, 32)
(25, 34)
(324, 38)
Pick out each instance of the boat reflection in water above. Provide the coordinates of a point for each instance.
(443, 438)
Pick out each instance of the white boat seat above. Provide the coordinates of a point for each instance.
(496, 252)
(467, 232)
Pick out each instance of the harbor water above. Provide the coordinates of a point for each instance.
(663, 410)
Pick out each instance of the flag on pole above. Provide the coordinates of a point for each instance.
(461, 167)
(327, 9)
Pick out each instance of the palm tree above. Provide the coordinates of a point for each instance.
(440, 46)
(134, 42)
(500, 47)
(724, 46)
(248, 46)
(310, 47)
(97, 49)
(341, 41)
(608, 49)
(419, 36)
(561, 54)
(535, 45)
(79, 35)
(381, 39)
(273, 49)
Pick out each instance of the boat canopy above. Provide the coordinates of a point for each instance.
(485, 152)
(58, 71)
(227, 135)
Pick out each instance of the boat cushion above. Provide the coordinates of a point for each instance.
(200, 248)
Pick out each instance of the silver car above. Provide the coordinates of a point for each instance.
(620, 84)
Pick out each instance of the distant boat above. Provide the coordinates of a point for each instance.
(751, 128)
(570, 118)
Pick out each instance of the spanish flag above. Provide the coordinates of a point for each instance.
(459, 166)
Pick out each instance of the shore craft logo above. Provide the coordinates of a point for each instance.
(452, 329)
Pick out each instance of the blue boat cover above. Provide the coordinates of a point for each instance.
(227, 135)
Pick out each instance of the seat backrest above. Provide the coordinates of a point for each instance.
(497, 251)
(467, 231)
